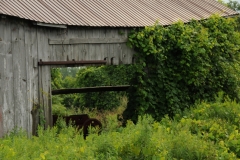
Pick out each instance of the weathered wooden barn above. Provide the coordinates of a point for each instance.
(36, 35)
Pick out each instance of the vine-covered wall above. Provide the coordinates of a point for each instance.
(183, 63)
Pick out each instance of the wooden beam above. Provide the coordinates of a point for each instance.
(90, 89)
(87, 41)
(50, 25)
(41, 63)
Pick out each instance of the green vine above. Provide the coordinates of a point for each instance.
(42, 120)
(182, 63)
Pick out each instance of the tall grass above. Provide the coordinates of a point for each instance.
(207, 131)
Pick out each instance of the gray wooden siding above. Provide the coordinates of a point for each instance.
(32, 78)
(120, 53)
(7, 92)
(25, 87)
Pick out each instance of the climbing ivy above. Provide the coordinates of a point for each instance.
(182, 63)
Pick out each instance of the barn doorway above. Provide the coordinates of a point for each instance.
(118, 81)
(89, 90)
(78, 88)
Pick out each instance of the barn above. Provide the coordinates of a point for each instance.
(36, 35)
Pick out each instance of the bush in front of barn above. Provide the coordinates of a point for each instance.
(208, 131)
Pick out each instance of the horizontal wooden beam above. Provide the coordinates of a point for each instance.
(87, 41)
(50, 25)
(41, 63)
(90, 89)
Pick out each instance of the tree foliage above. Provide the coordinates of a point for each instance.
(92, 77)
(56, 78)
(234, 5)
(182, 63)
(102, 76)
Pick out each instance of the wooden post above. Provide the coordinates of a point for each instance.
(44, 79)
(45, 99)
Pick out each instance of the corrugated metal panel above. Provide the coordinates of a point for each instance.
(115, 13)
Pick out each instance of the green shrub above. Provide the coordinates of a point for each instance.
(58, 109)
(217, 122)
(181, 64)
(195, 134)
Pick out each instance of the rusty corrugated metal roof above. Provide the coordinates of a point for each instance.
(115, 13)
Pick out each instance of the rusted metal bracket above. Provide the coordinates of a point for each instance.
(73, 62)
(90, 89)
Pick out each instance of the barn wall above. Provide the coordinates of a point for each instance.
(7, 103)
(18, 83)
(120, 53)
(25, 87)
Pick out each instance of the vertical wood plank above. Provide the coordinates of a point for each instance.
(34, 82)
(16, 75)
(101, 53)
(97, 54)
(2, 59)
(54, 54)
(44, 77)
(127, 53)
(79, 49)
(19, 89)
(28, 56)
(31, 74)
(117, 48)
(114, 48)
(58, 52)
(67, 49)
(109, 47)
(8, 98)
(2, 81)
(89, 47)
(23, 111)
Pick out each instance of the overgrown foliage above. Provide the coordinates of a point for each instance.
(56, 78)
(208, 131)
(90, 77)
(235, 5)
(102, 76)
(182, 63)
